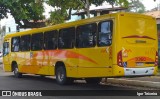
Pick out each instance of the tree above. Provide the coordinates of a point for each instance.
(3, 10)
(23, 12)
(63, 8)
(137, 6)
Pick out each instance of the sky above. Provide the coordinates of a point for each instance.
(149, 4)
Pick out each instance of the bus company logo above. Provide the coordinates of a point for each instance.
(125, 52)
(108, 49)
(6, 93)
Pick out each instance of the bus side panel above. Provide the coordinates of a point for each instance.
(24, 67)
(7, 67)
(98, 62)
(51, 57)
(118, 71)
(35, 62)
(6, 63)
(25, 62)
(68, 57)
(40, 61)
(51, 70)
(87, 62)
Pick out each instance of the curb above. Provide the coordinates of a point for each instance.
(134, 82)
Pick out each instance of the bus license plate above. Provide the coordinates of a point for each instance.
(140, 64)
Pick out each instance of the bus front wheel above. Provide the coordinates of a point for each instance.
(16, 72)
(61, 76)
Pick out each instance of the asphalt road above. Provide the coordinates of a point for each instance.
(35, 82)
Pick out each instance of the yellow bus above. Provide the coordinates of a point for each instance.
(112, 45)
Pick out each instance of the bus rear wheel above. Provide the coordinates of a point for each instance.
(93, 80)
(16, 72)
(61, 76)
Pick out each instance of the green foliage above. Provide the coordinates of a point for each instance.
(122, 3)
(56, 17)
(3, 10)
(137, 6)
(63, 8)
(22, 10)
(26, 10)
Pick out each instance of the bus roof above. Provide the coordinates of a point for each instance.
(75, 23)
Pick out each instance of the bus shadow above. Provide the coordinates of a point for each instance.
(77, 85)
(35, 77)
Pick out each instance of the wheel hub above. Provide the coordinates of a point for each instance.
(60, 76)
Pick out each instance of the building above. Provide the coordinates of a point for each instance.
(100, 11)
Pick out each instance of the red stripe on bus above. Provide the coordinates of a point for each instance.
(64, 54)
(70, 54)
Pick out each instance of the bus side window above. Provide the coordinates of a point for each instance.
(37, 42)
(50, 40)
(5, 48)
(25, 43)
(86, 35)
(66, 38)
(15, 44)
(105, 33)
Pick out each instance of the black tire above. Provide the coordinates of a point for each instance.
(93, 80)
(61, 76)
(16, 72)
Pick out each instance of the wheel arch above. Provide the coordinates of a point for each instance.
(12, 65)
(59, 63)
(60, 68)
